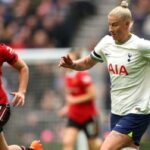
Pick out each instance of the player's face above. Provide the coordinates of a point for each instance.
(118, 28)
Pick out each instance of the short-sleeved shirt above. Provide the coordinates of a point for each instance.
(76, 84)
(129, 69)
(8, 55)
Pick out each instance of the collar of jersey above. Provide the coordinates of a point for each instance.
(120, 43)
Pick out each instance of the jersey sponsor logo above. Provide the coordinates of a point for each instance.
(9, 49)
(118, 125)
(130, 134)
(86, 79)
(138, 109)
(117, 69)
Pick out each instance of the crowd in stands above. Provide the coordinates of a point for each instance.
(141, 16)
(53, 23)
(41, 23)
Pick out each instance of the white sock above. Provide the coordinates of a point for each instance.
(128, 148)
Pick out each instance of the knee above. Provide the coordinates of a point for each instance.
(68, 142)
(95, 144)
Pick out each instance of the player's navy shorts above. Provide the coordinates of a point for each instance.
(134, 125)
(4, 115)
(90, 127)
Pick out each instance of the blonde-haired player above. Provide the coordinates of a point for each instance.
(127, 57)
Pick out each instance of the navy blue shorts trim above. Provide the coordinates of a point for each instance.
(134, 125)
(90, 127)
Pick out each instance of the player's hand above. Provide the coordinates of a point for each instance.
(19, 98)
(63, 112)
(70, 99)
(66, 62)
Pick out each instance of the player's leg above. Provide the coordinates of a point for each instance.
(70, 137)
(3, 143)
(131, 147)
(116, 141)
(94, 143)
(4, 117)
(127, 131)
(4, 146)
(35, 145)
(91, 129)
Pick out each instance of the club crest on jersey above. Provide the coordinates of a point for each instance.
(117, 69)
(129, 57)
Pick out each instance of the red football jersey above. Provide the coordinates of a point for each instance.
(76, 84)
(8, 55)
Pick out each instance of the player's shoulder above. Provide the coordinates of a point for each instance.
(141, 43)
(134, 43)
(107, 39)
(138, 40)
(4, 47)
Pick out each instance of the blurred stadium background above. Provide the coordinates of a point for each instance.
(41, 31)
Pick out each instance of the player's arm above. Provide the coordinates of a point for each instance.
(64, 110)
(23, 70)
(88, 96)
(79, 65)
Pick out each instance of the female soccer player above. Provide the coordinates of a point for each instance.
(80, 108)
(8, 55)
(127, 57)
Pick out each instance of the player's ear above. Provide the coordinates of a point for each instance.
(128, 23)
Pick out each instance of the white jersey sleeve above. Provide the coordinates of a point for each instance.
(97, 52)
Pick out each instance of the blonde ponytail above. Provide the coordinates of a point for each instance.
(124, 4)
(122, 11)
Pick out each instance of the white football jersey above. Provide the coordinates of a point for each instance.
(129, 69)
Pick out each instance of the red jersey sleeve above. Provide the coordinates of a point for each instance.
(9, 54)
